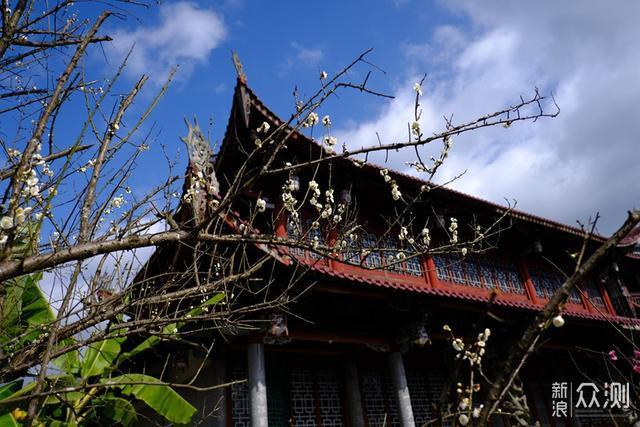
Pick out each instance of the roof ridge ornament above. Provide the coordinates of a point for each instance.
(203, 184)
(239, 68)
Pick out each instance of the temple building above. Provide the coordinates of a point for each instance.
(361, 342)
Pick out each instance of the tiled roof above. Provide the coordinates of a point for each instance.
(389, 284)
(464, 296)
(535, 219)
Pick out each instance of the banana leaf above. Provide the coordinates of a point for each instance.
(26, 309)
(169, 329)
(156, 394)
(7, 420)
(119, 411)
(100, 356)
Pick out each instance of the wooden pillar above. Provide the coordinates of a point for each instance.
(257, 386)
(432, 274)
(354, 400)
(401, 389)
(530, 290)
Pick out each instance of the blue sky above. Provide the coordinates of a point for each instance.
(479, 58)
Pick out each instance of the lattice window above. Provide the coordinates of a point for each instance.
(590, 287)
(487, 275)
(390, 256)
(303, 408)
(373, 259)
(425, 389)
(473, 275)
(375, 399)
(479, 272)
(352, 256)
(420, 398)
(329, 396)
(442, 268)
(546, 283)
(240, 410)
(574, 296)
(414, 266)
(456, 271)
(393, 419)
(513, 277)
(296, 232)
(501, 279)
(543, 283)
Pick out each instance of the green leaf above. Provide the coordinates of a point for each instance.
(35, 308)
(25, 309)
(169, 329)
(12, 307)
(156, 394)
(8, 389)
(59, 381)
(7, 420)
(69, 362)
(120, 411)
(100, 356)
(66, 398)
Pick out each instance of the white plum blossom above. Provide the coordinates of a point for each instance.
(6, 223)
(417, 88)
(258, 142)
(328, 195)
(415, 128)
(330, 140)
(117, 202)
(315, 188)
(403, 233)
(263, 128)
(327, 210)
(453, 229)
(395, 192)
(323, 75)
(312, 120)
(326, 121)
(476, 412)
(463, 419)
(21, 214)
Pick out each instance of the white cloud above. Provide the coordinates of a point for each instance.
(567, 168)
(301, 56)
(184, 35)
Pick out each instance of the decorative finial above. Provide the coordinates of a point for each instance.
(239, 69)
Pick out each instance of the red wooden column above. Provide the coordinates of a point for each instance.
(430, 269)
(528, 283)
(607, 300)
(281, 221)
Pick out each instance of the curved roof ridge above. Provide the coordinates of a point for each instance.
(513, 212)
